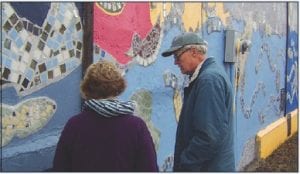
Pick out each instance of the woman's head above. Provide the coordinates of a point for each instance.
(102, 80)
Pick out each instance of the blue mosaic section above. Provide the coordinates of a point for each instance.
(292, 70)
(38, 52)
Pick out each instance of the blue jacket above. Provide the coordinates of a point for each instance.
(204, 138)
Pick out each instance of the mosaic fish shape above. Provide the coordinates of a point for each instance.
(126, 32)
(33, 56)
(25, 118)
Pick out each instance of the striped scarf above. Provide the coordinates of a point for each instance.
(110, 107)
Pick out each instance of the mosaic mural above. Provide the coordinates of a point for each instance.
(35, 55)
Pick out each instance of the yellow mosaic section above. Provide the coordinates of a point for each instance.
(158, 11)
(193, 15)
(270, 138)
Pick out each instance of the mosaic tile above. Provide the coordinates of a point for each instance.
(71, 53)
(7, 43)
(59, 38)
(60, 17)
(22, 68)
(6, 62)
(19, 79)
(33, 64)
(44, 77)
(102, 53)
(55, 53)
(36, 30)
(15, 66)
(23, 34)
(62, 68)
(25, 83)
(13, 34)
(42, 67)
(48, 27)
(97, 49)
(52, 44)
(79, 45)
(6, 73)
(13, 19)
(29, 73)
(56, 72)
(44, 36)
(51, 20)
(59, 58)
(37, 80)
(68, 36)
(19, 26)
(28, 47)
(26, 57)
(13, 77)
(51, 63)
(78, 26)
(25, 23)
(41, 45)
(19, 42)
(69, 45)
(30, 27)
(78, 54)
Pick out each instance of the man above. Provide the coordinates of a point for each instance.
(204, 137)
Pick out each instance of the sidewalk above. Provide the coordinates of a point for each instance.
(283, 159)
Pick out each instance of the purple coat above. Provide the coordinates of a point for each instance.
(90, 142)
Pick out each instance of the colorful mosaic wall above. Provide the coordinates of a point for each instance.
(41, 57)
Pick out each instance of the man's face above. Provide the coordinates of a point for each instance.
(185, 60)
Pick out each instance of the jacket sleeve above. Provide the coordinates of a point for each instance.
(208, 118)
(62, 158)
(146, 155)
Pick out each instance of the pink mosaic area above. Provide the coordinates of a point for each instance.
(113, 32)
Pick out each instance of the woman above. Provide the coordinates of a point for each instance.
(105, 136)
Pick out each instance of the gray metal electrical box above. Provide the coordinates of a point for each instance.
(230, 52)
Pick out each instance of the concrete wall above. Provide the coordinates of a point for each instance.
(40, 81)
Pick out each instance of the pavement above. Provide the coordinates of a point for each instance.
(283, 159)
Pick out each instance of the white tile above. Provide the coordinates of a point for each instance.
(65, 54)
(56, 72)
(60, 59)
(23, 34)
(22, 67)
(25, 57)
(46, 51)
(13, 77)
(15, 65)
(37, 54)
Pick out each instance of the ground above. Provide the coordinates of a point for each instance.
(283, 159)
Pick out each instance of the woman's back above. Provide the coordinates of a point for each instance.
(91, 142)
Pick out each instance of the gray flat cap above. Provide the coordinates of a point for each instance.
(178, 42)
